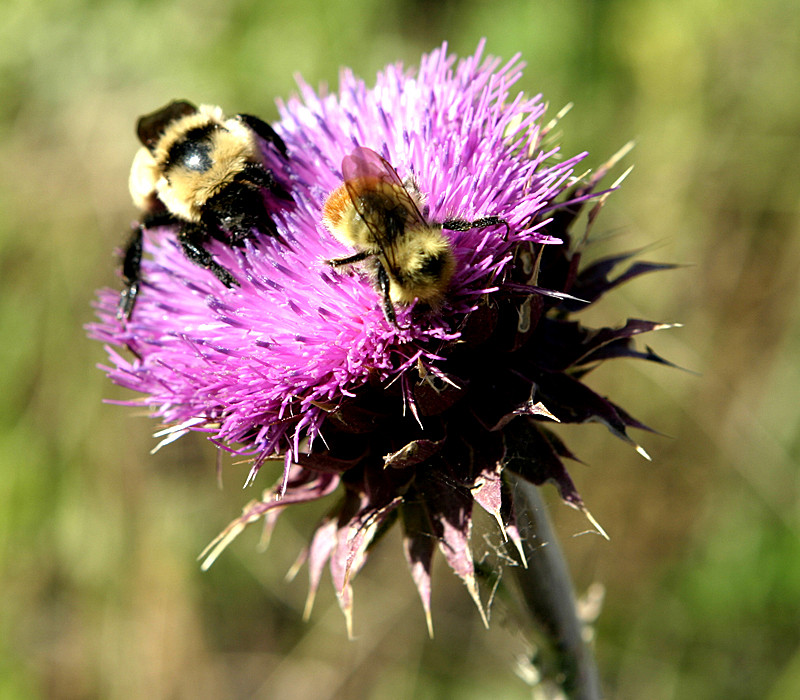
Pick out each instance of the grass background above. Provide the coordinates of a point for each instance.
(101, 594)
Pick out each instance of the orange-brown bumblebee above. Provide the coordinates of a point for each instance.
(204, 173)
(377, 214)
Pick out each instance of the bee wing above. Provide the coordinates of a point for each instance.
(151, 127)
(364, 168)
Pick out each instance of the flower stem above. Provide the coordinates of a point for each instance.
(564, 659)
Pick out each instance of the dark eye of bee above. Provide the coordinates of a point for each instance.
(193, 152)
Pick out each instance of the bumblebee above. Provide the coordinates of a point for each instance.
(204, 174)
(374, 212)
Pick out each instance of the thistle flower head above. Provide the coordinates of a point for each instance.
(414, 420)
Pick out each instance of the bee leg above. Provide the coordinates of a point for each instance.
(191, 238)
(264, 130)
(383, 285)
(349, 260)
(462, 225)
(131, 270)
(132, 260)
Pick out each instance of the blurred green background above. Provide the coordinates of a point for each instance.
(101, 596)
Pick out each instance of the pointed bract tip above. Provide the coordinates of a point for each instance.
(597, 526)
(218, 545)
(348, 619)
(429, 621)
(309, 607)
(472, 588)
(294, 569)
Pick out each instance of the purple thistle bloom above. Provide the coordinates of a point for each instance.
(416, 421)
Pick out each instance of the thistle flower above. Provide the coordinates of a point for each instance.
(415, 421)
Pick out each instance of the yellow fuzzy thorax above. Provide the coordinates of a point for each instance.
(185, 192)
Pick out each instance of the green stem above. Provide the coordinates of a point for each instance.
(547, 593)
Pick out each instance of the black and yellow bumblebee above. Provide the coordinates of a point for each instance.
(204, 174)
(378, 214)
